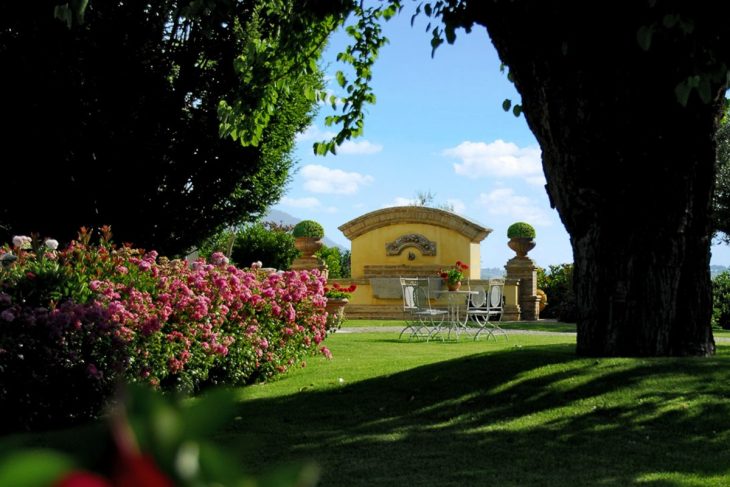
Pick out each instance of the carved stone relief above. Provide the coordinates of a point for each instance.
(426, 246)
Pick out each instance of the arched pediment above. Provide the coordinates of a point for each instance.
(414, 214)
(396, 247)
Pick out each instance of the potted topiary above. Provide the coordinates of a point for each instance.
(308, 237)
(521, 237)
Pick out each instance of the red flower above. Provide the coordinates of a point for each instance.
(79, 478)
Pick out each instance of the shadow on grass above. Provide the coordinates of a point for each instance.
(531, 416)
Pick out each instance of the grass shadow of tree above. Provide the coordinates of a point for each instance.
(531, 416)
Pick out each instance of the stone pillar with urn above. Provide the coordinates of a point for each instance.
(524, 269)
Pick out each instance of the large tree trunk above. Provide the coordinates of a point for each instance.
(629, 169)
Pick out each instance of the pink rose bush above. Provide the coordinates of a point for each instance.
(171, 324)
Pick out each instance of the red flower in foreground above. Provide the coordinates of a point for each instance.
(79, 478)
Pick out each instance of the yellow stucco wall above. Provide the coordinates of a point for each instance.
(369, 248)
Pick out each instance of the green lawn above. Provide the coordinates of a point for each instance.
(523, 411)
(518, 412)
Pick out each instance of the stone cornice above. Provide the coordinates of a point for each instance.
(414, 214)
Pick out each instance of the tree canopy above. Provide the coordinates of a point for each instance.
(114, 114)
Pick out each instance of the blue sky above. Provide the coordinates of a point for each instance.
(438, 126)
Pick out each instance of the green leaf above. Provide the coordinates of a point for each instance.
(450, 34)
(704, 89)
(63, 13)
(687, 25)
(516, 110)
(197, 418)
(506, 104)
(643, 36)
(670, 20)
(320, 148)
(341, 80)
(34, 468)
(682, 90)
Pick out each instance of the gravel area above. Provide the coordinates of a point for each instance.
(397, 329)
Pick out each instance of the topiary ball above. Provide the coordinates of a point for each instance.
(521, 230)
(308, 228)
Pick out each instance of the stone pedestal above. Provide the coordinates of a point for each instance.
(524, 269)
(511, 311)
(307, 247)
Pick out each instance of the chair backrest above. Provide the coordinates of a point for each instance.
(478, 300)
(409, 287)
(496, 291)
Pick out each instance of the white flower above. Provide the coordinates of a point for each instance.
(51, 244)
(21, 241)
(256, 265)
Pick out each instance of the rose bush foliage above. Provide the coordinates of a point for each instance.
(171, 324)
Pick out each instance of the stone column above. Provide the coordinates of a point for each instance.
(524, 269)
(511, 311)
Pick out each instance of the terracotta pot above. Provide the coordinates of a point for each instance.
(453, 287)
(307, 246)
(335, 308)
(521, 245)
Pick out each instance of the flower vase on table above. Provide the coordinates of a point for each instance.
(453, 286)
(452, 276)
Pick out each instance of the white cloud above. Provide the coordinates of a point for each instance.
(499, 158)
(504, 202)
(349, 147)
(313, 132)
(308, 202)
(399, 201)
(536, 180)
(458, 205)
(321, 179)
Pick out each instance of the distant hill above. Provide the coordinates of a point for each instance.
(489, 272)
(284, 218)
(718, 269)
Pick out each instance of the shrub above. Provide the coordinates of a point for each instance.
(558, 286)
(308, 228)
(520, 230)
(345, 264)
(256, 243)
(57, 366)
(721, 301)
(332, 259)
(173, 325)
(268, 243)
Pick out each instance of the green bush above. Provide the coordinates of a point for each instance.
(721, 301)
(308, 228)
(345, 264)
(272, 248)
(332, 257)
(521, 230)
(557, 283)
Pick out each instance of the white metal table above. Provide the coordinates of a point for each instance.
(456, 301)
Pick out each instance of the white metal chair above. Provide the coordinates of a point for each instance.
(486, 308)
(419, 316)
